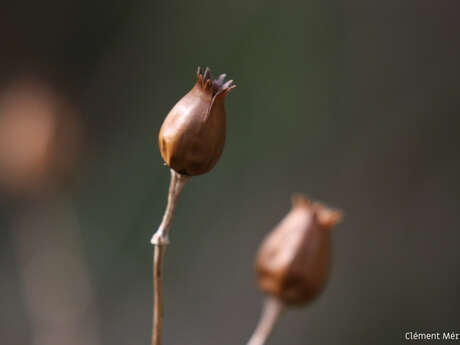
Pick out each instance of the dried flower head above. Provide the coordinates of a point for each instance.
(192, 136)
(293, 262)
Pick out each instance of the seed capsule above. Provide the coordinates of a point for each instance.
(294, 260)
(192, 136)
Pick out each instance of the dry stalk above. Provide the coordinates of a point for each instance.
(270, 314)
(160, 240)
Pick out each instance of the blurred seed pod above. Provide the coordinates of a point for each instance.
(192, 136)
(294, 260)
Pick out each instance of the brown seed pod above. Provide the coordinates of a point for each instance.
(192, 136)
(294, 260)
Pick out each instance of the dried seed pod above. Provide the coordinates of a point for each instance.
(192, 136)
(293, 262)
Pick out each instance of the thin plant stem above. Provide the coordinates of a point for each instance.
(175, 187)
(270, 315)
(158, 256)
(160, 240)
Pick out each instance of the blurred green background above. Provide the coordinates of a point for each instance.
(353, 103)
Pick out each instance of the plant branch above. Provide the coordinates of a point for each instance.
(175, 187)
(160, 240)
(270, 314)
(157, 331)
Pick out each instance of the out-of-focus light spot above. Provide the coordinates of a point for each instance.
(38, 136)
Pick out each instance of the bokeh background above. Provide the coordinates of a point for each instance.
(353, 103)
